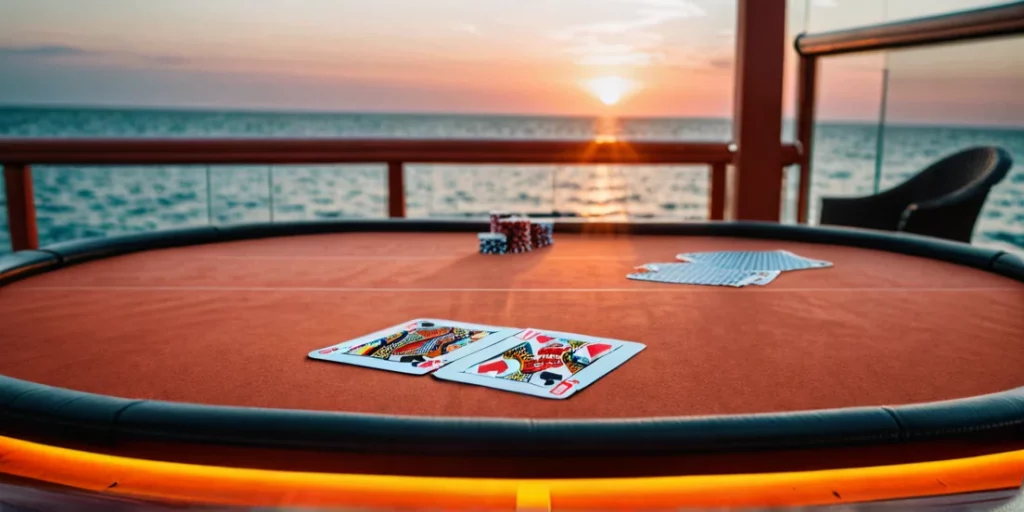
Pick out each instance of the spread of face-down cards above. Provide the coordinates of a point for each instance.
(726, 268)
(416, 347)
(541, 363)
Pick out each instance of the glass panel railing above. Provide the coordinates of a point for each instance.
(606, 192)
(325, 192)
(475, 190)
(5, 233)
(847, 128)
(948, 98)
(75, 202)
(790, 194)
(593, 191)
(899, 10)
(677, 192)
(239, 194)
(828, 15)
(796, 21)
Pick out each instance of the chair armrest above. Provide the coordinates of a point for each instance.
(951, 217)
(950, 200)
(881, 211)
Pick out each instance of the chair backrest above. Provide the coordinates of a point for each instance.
(972, 170)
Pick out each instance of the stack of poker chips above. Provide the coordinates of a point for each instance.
(493, 243)
(515, 234)
(496, 220)
(542, 234)
(517, 231)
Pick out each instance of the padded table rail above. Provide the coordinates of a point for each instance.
(205, 341)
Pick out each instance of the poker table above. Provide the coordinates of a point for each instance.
(190, 346)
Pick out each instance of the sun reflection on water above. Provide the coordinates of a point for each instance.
(604, 192)
(604, 188)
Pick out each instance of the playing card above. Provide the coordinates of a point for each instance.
(541, 363)
(417, 347)
(698, 273)
(765, 277)
(753, 260)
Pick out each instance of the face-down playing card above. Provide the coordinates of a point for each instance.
(697, 273)
(545, 364)
(416, 347)
(754, 260)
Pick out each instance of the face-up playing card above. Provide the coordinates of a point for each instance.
(546, 364)
(416, 347)
(698, 273)
(753, 260)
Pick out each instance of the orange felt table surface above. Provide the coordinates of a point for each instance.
(231, 324)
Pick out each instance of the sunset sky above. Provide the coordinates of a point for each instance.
(643, 57)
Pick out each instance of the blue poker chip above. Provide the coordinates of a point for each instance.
(493, 243)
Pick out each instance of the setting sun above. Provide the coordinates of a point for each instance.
(609, 89)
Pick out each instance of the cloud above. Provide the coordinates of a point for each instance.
(721, 62)
(76, 54)
(647, 17)
(629, 41)
(636, 50)
(630, 59)
(43, 51)
(685, 5)
(469, 28)
(163, 60)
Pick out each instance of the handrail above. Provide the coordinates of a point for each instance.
(958, 26)
(17, 155)
(305, 151)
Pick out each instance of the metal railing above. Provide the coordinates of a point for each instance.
(18, 155)
(1001, 20)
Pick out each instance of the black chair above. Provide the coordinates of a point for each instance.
(943, 200)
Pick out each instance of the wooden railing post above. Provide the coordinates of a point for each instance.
(806, 100)
(716, 210)
(757, 123)
(396, 190)
(21, 207)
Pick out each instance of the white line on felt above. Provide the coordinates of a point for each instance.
(499, 290)
(399, 258)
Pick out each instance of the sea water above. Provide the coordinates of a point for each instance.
(85, 201)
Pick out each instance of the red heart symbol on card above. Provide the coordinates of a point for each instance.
(597, 349)
(562, 387)
(328, 350)
(497, 366)
(544, 339)
(430, 364)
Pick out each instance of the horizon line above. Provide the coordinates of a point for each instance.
(428, 113)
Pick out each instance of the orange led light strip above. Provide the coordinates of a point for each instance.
(146, 479)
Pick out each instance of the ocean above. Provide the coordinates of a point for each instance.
(78, 201)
